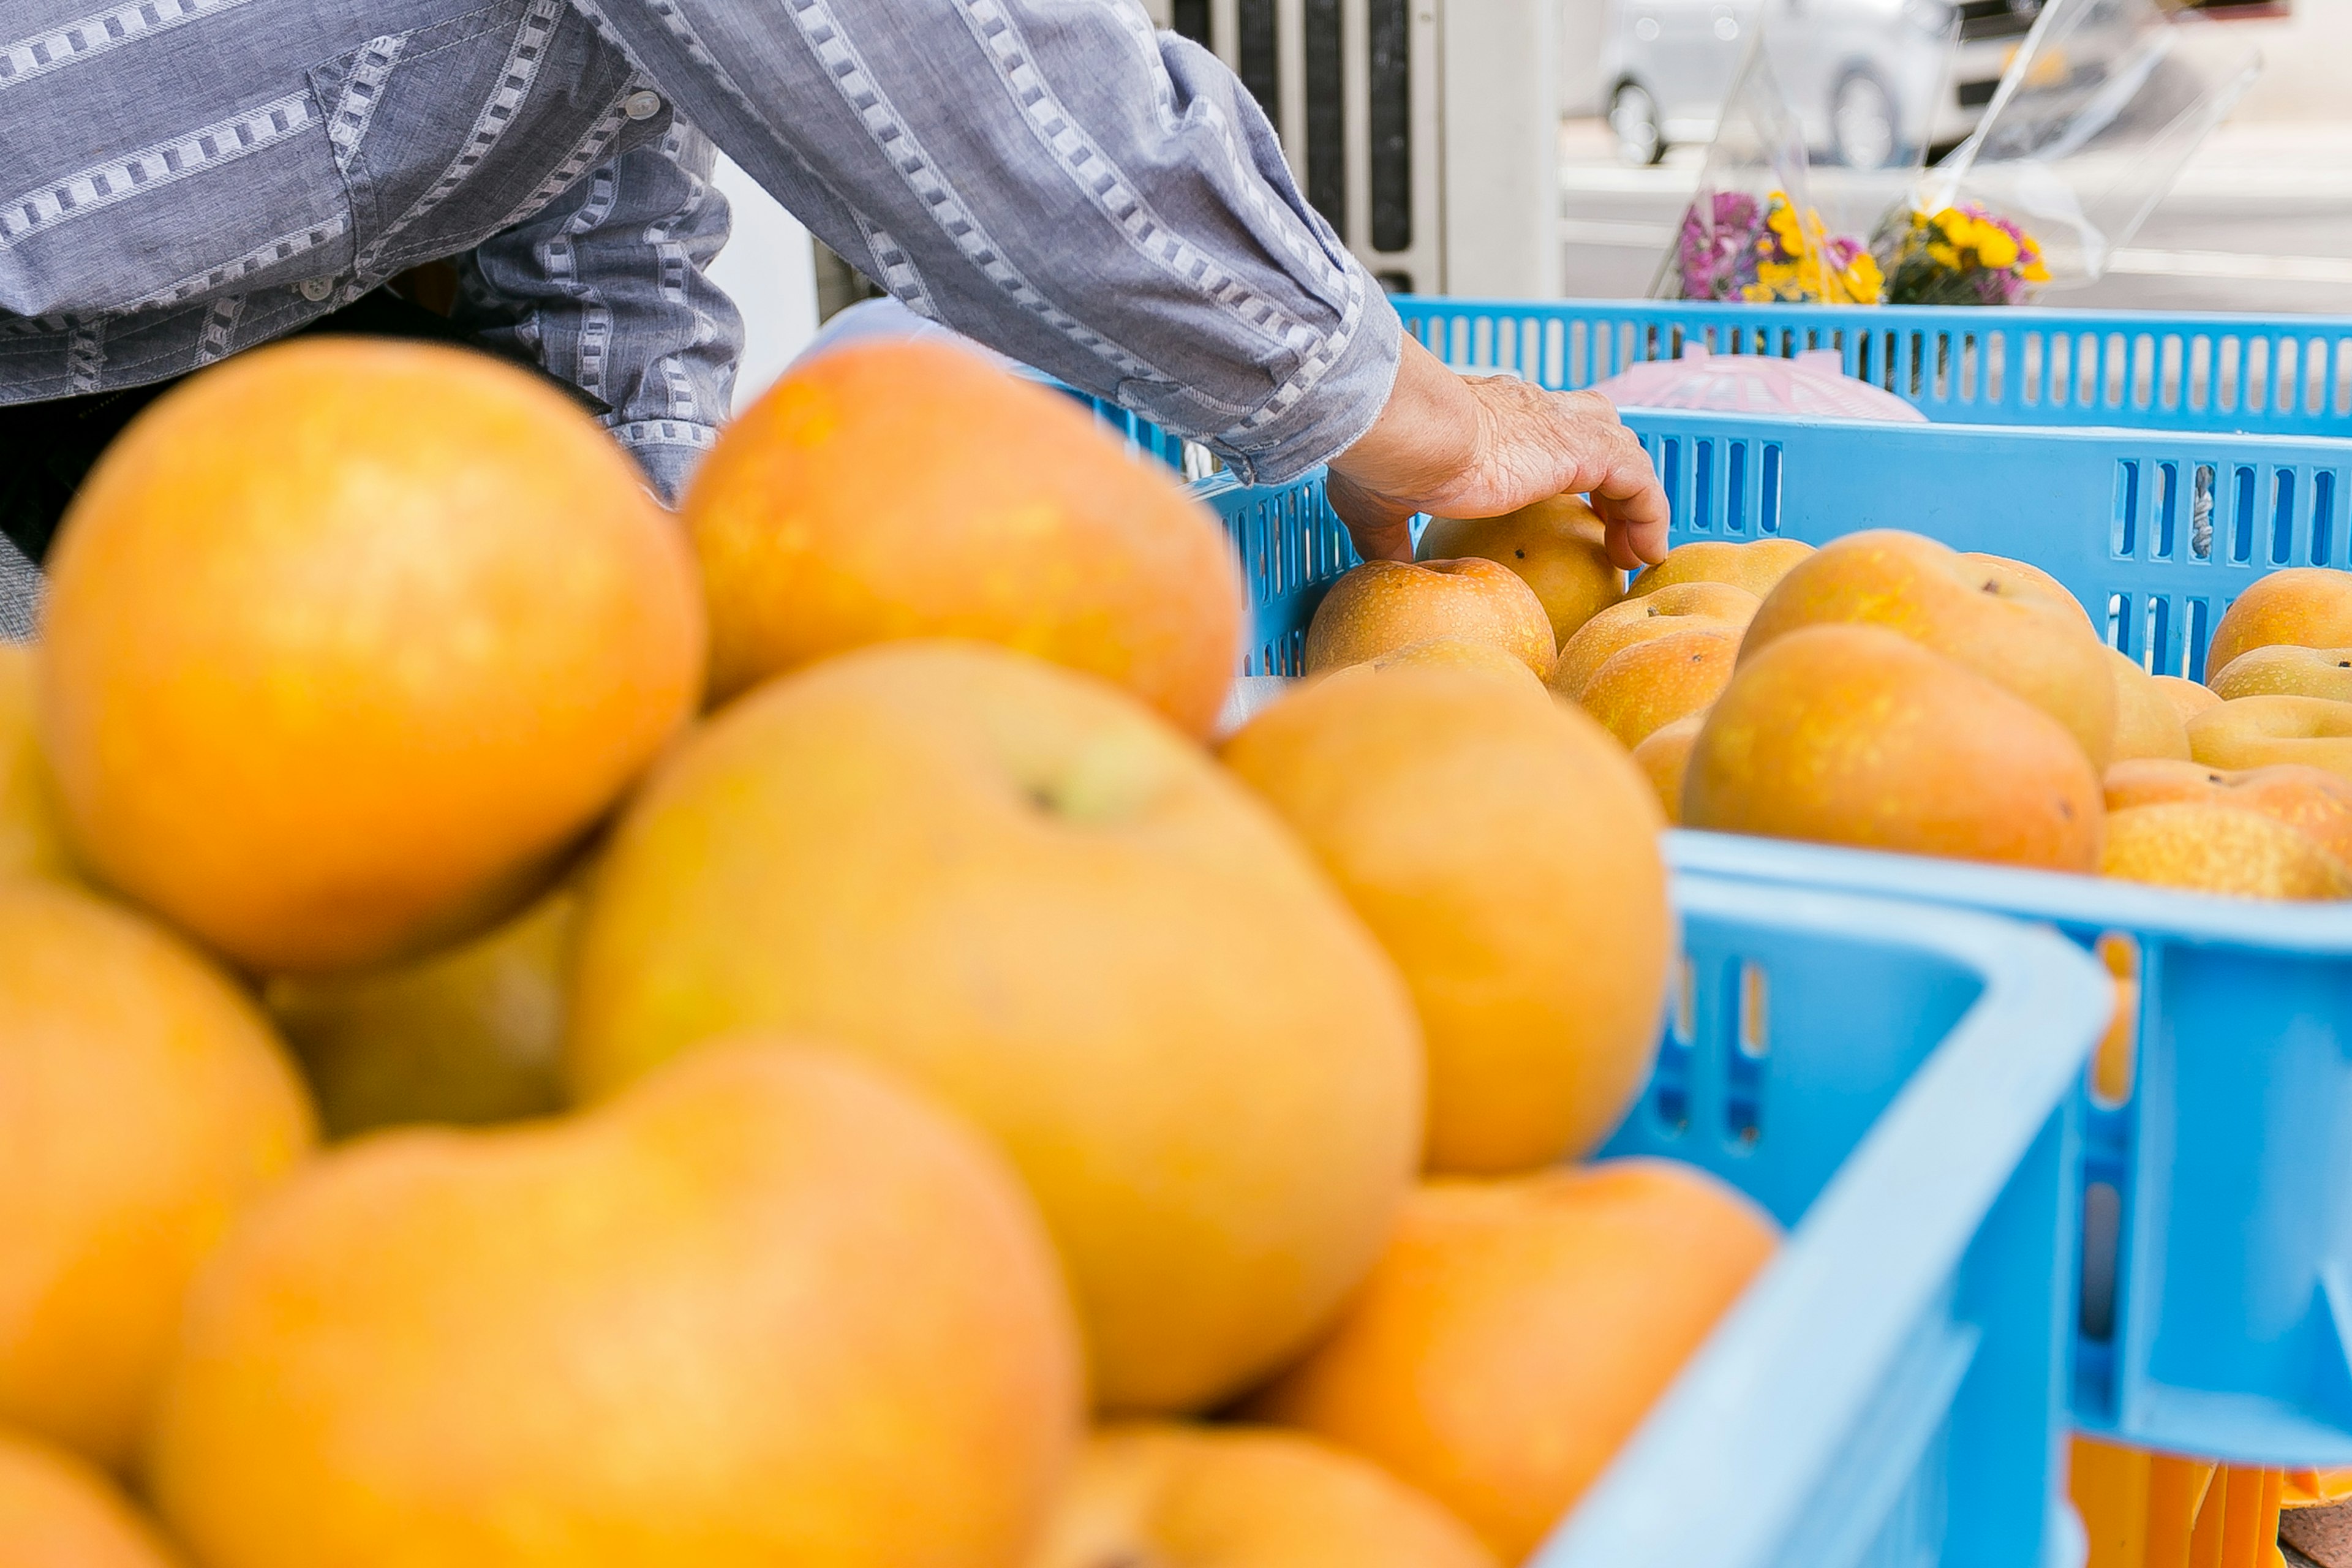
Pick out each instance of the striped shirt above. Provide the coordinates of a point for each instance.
(183, 179)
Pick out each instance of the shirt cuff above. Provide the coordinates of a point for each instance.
(1327, 405)
(668, 450)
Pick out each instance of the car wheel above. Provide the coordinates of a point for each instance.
(1864, 131)
(1633, 116)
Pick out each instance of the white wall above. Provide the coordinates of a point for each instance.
(2307, 56)
(769, 272)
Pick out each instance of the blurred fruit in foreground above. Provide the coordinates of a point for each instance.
(1756, 565)
(1664, 757)
(1456, 653)
(57, 1511)
(2283, 670)
(2146, 722)
(1506, 855)
(1854, 735)
(1679, 607)
(32, 838)
(2312, 801)
(893, 491)
(473, 1033)
(768, 1308)
(2188, 698)
(1518, 1331)
(1653, 683)
(1019, 887)
(1558, 546)
(2005, 625)
(2215, 848)
(345, 637)
(2024, 580)
(1244, 1497)
(143, 1104)
(2262, 731)
(1383, 605)
(2306, 606)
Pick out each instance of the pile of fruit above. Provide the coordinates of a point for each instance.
(818, 1061)
(1887, 692)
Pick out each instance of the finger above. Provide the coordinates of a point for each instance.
(1381, 529)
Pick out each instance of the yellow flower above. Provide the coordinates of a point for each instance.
(1955, 224)
(2035, 272)
(1944, 255)
(1755, 294)
(1995, 248)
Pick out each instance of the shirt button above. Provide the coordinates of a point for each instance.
(642, 104)
(316, 289)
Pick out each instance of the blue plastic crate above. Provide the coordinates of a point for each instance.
(2155, 533)
(2276, 375)
(2216, 1289)
(1896, 1084)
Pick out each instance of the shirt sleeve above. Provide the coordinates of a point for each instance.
(605, 290)
(1058, 181)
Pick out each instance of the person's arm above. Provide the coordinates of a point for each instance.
(1477, 447)
(604, 288)
(1107, 204)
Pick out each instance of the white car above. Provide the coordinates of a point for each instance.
(1871, 82)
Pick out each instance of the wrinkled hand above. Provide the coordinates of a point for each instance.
(1455, 446)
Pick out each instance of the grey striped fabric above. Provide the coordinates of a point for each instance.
(184, 179)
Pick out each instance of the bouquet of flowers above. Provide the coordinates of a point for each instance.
(1798, 259)
(1733, 246)
(1963, 255)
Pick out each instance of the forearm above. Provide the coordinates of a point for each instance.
(1054, 179)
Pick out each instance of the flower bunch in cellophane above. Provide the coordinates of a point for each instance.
(1963, 255)
(1799, 261)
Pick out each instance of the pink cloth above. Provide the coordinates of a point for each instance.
(1814, 384)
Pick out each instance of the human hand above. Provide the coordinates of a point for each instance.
(1455, 446)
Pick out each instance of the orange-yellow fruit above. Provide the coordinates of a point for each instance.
(768, 1308)
(1679, 607)
(2284, 669)
(2259, 732)
(1756, 565)
(1383, 605)
(1518, 1331)
(2148, 724)
(1505, 853)
(1455, 653)
(1558, 546)
(143, 1106)
(1245, 1496)
(1664, 756)
(2307, 606)
(1650, 684)
(899, 491)
(2022, 579)
(2001, 622)
(2312, 801)
(31, 837)
(345, 638)
(57, 1511)
(2188, 698)
(473, 1033)
(2217, 848)
(1019, 887)
(1854, 735)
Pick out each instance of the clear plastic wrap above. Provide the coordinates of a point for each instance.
(1752, 231)
(2104, 103)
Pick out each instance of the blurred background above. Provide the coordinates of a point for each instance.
(1530, 149)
